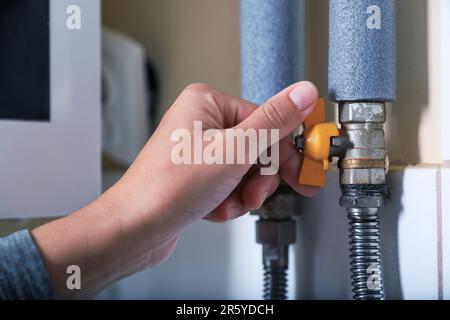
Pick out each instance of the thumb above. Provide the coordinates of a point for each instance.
(286, 111)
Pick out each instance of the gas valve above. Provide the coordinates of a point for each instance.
(319, 143)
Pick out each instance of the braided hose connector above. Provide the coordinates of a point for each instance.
(275, 283)
(276, 231)
(276, 263)
(363, 182)
(365, 254)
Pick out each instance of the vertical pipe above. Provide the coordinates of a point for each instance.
(362, 56)
(362, 77)
(271, 60)
(271, 47)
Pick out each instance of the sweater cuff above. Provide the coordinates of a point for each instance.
(22, 272)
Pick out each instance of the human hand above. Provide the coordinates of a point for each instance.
(187, 192)
(137, 222)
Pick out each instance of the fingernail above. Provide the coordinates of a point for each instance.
(303, 95)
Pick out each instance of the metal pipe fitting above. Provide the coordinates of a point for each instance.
(280, 206)
(365, 254)
(363, 182)
(365, 162)
(362, 76)
(276, 231)
(275, 237)
(276, 264)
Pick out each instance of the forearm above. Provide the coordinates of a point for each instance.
(105, 239)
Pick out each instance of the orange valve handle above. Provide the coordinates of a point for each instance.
(317, 145)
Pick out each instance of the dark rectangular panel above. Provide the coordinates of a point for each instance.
(24, 60)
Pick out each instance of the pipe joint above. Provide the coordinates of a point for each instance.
(279, 206)
(365, 162)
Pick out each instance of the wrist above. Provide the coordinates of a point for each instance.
(103, 239)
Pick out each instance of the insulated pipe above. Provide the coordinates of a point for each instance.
(271, 47)
(362, 77)
(271, 60)
(362, 56)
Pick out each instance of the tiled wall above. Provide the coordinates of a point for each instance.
(410, 224)
(445, 198)
(445, 127)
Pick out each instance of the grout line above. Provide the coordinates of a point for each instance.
(439, 235)
(445, 77)
(403, 167)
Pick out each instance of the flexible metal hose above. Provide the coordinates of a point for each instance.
(365, 254)
(276, 264)
(275, 283)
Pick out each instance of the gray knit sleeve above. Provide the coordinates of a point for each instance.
(22, 272)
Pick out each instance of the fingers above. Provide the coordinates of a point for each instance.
(233, 207)
(286, 111)
(258, 188)
(248, 197)
(232, 110)
(290, 165)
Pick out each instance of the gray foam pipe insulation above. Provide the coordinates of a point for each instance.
(362, 78)
(271, 60)
(362, 53)
(271, 47)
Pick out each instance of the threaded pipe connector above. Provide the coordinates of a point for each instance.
(365, 254)
(275, 283)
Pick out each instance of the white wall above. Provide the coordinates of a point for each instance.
(53, 168)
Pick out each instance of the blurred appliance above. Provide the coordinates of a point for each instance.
(49, 106)
(127, 97)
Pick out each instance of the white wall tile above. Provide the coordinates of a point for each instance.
(417, 232)
(446, 231)
(445, 78)
(198, 269)
(322, 249)
(409, 235)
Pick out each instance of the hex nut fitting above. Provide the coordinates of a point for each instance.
(280, 206)
(276, 233)
(366, 162)
(350, 202)
(364, 112)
